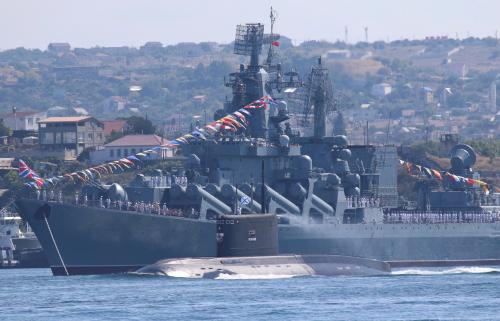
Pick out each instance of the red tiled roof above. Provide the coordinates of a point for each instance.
(72, 119)
(113, 125)
(136, 140)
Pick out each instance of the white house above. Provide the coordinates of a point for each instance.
(113, 104)
(381, 90)
(23, 120)
(130, 145)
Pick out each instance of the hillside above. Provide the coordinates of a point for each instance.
(179, 81)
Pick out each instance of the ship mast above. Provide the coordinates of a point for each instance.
(270, 52)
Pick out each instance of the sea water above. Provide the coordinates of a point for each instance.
(467, 293)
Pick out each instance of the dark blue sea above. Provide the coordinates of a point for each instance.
(471, 293)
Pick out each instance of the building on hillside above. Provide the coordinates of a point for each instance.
(408, 113)
(152, 46)
(130, 145)
(70, 133)
(427, 95)
(7, 165)
(445, 94)
(113, 104)
(58, 111)
(80, 111)
(117, 126)
(381, 90)
(59, 47)
(23, 120)
(339, 54)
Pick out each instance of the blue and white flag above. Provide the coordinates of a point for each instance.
(244, 200)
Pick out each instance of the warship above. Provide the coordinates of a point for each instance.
(330, 197)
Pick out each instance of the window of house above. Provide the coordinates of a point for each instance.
(132, 151)
(125, 152)
(48, 138)
(119, 152)
(111, 153)
(99, 136)
(90, 136)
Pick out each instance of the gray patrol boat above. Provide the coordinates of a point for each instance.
(330, 197)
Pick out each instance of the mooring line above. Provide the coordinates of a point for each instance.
(55, 245)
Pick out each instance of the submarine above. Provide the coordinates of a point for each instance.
(248, 248)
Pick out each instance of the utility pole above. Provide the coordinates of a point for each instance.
(14, 111)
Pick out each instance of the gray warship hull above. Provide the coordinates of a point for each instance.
(97, 241)
(414, 244)
(85, 240)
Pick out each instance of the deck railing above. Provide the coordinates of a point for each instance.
(139, 207)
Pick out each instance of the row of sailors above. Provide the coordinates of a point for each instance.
(166, 181)
(141, 207)
(436, 218)
(358, 201)
(43, 195)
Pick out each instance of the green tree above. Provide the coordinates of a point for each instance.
(12, 181)
(4, 130)
(140, 125)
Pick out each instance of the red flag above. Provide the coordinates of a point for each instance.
(437, 174)
(275, 43)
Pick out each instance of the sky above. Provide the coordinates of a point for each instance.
(90, 23)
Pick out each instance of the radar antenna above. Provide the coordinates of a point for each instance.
(316, 96)
(248, 42)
